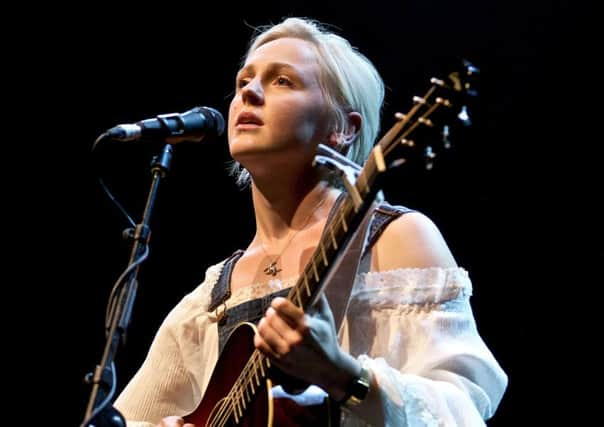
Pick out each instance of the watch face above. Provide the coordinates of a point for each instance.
(359, 388)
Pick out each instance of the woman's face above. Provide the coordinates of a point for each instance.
(278, 114)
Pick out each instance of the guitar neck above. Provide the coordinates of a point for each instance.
(343, 223)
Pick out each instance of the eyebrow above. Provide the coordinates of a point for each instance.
(273, 66)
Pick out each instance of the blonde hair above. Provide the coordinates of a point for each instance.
(349, 80)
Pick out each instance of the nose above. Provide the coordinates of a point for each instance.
(252, 92)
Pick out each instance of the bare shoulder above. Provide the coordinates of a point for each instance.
(411, 241)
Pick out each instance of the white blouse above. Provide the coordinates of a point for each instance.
(413, 327)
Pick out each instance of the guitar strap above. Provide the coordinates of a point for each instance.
(341, 276)
(356, 257)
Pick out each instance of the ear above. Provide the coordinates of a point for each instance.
(342, 141)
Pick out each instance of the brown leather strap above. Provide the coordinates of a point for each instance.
(340, 278)
(357, 257)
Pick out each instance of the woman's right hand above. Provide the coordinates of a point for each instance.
(174, 421)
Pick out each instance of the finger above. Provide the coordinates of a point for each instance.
(269, 341)
(288, 310)
(261, 345)
(291, 333)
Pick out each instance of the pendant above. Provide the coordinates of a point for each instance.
(272, 269)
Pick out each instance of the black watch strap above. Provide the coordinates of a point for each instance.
(357, 389)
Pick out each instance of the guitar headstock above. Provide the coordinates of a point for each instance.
(420, 133)
(428, 127)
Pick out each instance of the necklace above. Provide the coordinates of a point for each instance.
(271, 269)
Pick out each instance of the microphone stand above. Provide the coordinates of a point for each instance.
(99, 411)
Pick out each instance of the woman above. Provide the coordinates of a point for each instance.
(407, 352)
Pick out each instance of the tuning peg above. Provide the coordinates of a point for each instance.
(442, 101)
(445, 137)
(471, 69)
(425, 121)
(429, 156)
(407, 142)
(472, 74)
(396, 163)
(418, 100)
(437, 82)
(463, 116)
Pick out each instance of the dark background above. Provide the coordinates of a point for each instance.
(510, 198)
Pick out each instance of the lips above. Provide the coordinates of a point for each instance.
(247, 118)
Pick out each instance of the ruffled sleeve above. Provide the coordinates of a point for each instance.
(179, 363)
(415, 329)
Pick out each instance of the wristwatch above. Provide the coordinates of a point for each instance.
(357, 389)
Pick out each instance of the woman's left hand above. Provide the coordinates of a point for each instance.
(305, 346)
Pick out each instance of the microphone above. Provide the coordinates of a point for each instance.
(192, 125)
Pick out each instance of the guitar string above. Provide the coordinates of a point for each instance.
(228, 406)
(246, 374)
(413, 126)
(249, 374)
(412, 112)
(331, 227)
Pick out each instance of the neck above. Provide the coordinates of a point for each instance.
(286, 207)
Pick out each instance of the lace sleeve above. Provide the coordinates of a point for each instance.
(415, 329)
(164, 385)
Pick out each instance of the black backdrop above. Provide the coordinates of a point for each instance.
(502, 197)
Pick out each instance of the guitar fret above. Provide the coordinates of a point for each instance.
(314, 269)
(324, 255)
(239, 409)
(333, 239)
(344, 225)
(378, 155)
(362, 183)
(238, 403)
(306, 284)
(234, 411)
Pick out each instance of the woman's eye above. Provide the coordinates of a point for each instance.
(283, 81)
(242, 83)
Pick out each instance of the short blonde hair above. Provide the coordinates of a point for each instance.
(349, 80)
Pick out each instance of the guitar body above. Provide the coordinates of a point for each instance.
(257, 409)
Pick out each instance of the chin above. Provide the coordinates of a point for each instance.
(241, 151)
